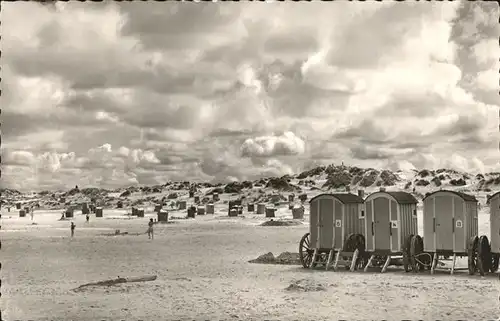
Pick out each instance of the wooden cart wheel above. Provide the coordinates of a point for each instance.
(363, 256)
(348, 245)
(483, 254)
(305, 251)
(494, 263)
(356, 242)
(416, 248)
(472, 255)
(406, 253)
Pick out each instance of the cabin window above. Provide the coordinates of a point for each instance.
(414, 213)
(362, 214)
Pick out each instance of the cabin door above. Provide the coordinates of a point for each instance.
(326, 228)
(369, 226)
(381, 223)
(495, 224)
(444, 222)
(313, 223)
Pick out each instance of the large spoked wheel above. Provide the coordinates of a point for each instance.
(416, 249)
(472, 255)
(305, 251)
(494, 263)
(357, 242)
(483, 254)
(406, 253)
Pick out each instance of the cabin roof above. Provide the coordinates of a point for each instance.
(403, 197)
(400, 197)
(346, 198)
(465, 197)
(489, 197)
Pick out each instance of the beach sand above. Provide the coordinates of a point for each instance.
(204, 274)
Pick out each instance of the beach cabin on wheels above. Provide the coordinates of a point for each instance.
(494, 206)
(390, 218)
(450, 226)
(450, 221)
(332, 218)
(450, 229)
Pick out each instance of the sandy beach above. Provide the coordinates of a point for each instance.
(203, 274)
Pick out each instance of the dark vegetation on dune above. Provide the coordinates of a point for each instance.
(333, 178)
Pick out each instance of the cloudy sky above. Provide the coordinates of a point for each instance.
(125, 93)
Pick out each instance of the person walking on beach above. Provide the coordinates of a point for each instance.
(87, 217)
(150, 229)
(72, 229)
(32, 213)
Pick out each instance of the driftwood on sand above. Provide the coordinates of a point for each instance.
(118, 280)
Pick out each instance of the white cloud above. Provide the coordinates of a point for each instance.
(99, 166)
(266, 146)
(488, 79)
(485, 52)
(198, 91)
(402, 165)
(18, 157)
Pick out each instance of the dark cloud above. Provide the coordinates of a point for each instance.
(298, 43)
(404, 105)
(175, 25)
(368, 49)
(367, 132)
(464, 126)
(158, 111)
(368, 153)
(230, 133)
(421, 145)
(475, 22)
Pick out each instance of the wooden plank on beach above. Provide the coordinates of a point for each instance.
(119, 280)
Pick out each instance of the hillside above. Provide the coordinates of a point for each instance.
(271, 190)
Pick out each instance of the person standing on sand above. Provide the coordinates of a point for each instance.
(32, 213)
(72, 229)
(87, 217)
(150, 229)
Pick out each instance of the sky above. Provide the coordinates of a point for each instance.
(115, 94)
